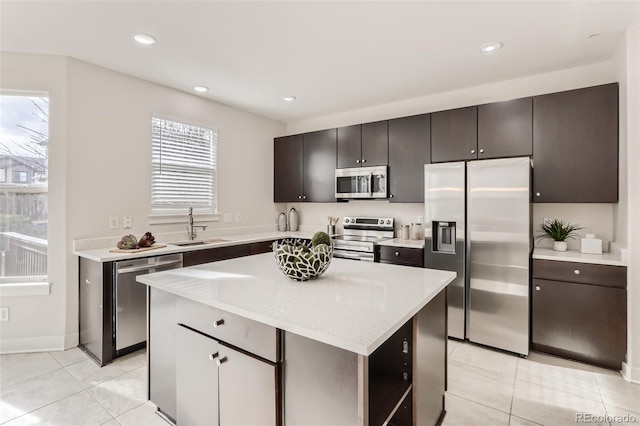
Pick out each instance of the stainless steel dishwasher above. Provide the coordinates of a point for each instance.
(130, 298)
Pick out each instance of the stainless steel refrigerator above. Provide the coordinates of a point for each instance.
(478, 224)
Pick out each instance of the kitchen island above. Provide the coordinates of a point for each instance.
(356, 346)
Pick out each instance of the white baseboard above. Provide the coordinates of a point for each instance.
(630, 374)
(38, 344)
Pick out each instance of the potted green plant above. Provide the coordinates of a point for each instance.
(559, 231)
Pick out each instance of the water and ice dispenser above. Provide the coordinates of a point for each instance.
(444, 237)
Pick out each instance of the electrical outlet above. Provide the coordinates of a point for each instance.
(4, 314)
(126, 222)
(420, 219)
(228, 217)
(238, 217)
(113, 222)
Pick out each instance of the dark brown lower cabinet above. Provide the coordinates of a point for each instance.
(406, 256)
(585, 322)
(217, 254)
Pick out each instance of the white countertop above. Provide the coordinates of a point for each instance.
(104, 255)
(614, 259)
(399, 242)
(354, 306)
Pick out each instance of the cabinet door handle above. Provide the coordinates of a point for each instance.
(218, 323)
(473, 151)
(576, 271)
(405, 347)
(212, 357)
(304, 197)
(220, 361)
(537, 194)
(87, 281)
(364, 160)
(481, 150)
(358, 161)
(537, 288)
(299, 197)
(390, 195)
(397, 253)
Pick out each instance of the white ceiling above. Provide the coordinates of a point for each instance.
(334, 56)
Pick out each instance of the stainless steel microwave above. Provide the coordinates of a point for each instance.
(362, 182)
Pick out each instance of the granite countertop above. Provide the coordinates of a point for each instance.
(614, 259)
(104, 255)
(399, 242)
(354, 306)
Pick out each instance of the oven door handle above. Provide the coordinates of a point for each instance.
(365, 257)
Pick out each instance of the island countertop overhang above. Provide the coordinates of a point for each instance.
(354, 306)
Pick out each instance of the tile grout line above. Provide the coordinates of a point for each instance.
(46, 405)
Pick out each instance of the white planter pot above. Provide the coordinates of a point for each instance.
(560, 245)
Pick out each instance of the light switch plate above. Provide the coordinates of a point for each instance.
(228, 217)
(113, 222)
(4, 314)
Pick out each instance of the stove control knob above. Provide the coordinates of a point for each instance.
(388, 222)
(346, 220)
(353, 221)
(380, 222)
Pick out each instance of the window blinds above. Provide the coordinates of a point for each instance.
(183, 166)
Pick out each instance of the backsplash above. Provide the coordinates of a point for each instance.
(595, 218)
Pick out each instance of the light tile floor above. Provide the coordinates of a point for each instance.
(486, 387)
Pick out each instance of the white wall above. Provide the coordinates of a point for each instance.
(627, 214)
(39, 321)
(107, 166)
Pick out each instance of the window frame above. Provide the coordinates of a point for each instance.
(162, 215)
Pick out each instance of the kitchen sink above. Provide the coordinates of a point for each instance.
(200, 242)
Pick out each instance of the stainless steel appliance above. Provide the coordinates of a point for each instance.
(362, 182)
(360, 236)
(130, 298)
(478, 224)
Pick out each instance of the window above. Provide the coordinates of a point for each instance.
(24, 140)
(19, 177)
(183, 167)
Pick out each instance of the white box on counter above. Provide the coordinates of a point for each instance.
(590, 244)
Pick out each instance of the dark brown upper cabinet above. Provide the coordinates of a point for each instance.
(505, 129)
(319, 166)
(304, 167)
(363, 145)
(287, 168)
(454, 135)
(575, 146)
(409, 151)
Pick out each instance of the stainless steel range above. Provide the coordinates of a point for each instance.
(361, 234)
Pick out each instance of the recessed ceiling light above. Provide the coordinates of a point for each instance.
(201, 89)
(145, 39)
(491, 47)
(289, 98)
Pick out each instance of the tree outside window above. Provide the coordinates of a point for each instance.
(24, 141)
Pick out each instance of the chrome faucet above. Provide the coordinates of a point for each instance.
(191, 228)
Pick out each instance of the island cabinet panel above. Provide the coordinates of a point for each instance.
(505, 129)
(575, 146)
(409, 151)
(287, 168)
(196, 378)
(581, 314)
(375, 144)
(261, 247)
(454, 135)
(349, 146)
(319, 166)
(162, 346)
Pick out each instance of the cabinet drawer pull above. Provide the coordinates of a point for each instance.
(397, 253)
(220, 361)
(473, 151)
(218, 323)
(304, 197)
(576, 271)
(364, 160)
(358, 161)
(537, 288)
(299, 197)
(405, 347)
(212, 357)
(537, 194)
(87, 281)
(481, 151)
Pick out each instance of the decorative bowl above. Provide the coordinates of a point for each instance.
(298, 260)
